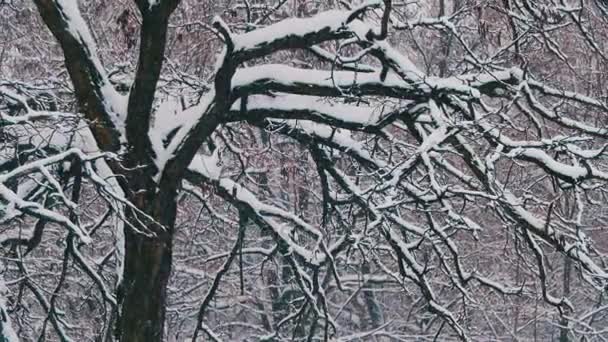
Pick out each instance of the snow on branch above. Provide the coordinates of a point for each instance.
(96, 96)
(265, 215)
(383, 162)
(281, 78)
(313, 109)
(290, 34)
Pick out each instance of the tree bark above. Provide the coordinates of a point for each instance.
(147, 268)
(147, 271)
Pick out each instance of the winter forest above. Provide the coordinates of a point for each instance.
(303, 170)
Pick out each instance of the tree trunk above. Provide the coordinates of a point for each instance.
(146, 273)
(147, 268)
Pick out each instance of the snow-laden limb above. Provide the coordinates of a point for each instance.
(98, 100)
(535, 152)
(15, 99)
(282, 78)
(36, 116)
(312, 109)
(572, 173)
(404, 81)
(64, 144)
(569, 95)
(174, 128)
(35, 209)
(15, 202)
(107, 182)
(264, 215)
(292, 33)
(79, 30)
(544, 230)
(545, 112)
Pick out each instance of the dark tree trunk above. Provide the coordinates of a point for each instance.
(147, 268)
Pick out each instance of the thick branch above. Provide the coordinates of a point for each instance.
(153, 38)
(96, 98)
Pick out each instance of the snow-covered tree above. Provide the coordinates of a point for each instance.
(303, 170)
